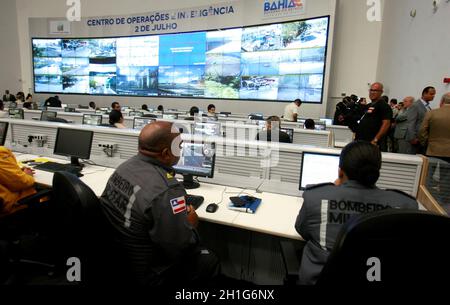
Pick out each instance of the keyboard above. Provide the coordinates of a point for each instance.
(59, 167)
(194, 200)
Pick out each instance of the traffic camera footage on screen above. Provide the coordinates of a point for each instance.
(275, 62)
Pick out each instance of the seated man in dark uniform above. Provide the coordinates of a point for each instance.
(352, 194)
(155, 227)
(273, 132)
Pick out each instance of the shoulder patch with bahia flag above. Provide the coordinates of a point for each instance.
(178, 205)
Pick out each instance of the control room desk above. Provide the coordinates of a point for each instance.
(276, 214)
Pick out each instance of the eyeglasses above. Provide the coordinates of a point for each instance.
(375, 90)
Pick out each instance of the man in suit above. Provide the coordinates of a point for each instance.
(435, 130)
(401, 128)
(434, 134)
(7, 97)
(417, 113)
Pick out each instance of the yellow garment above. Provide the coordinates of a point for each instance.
(14, 183)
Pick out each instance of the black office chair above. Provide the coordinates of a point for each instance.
(85, 232)
(409, 245)
(23, 249)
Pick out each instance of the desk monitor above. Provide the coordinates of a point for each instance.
(197, 159)
(290, 132)
(3, 132)
(16, 114)
(256, 116)
(55, 109)
(328, 122)
(65, 140)
(92, 119)
(136, 113)
(69, 109)
(47, 114)
(139, 123)
(320, 126)
(318, 168)
(207, 128)
(170, 116)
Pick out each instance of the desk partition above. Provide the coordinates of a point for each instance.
(274, 167)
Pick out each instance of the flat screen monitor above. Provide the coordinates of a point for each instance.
(320, 126)
(328, 122)
(170, 116)
(197, 159)
(139, 123)
(73, 143)
(92, 119)
(256, 116)
(135, 113)
(290, 132)
(318, 168)
(3, 132)
(207, 128)
(16, 114)
(47, 114)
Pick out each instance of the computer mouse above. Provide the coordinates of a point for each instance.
(212, 207)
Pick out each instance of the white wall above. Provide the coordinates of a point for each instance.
(10, 70)
(415, 52)
(353, 63)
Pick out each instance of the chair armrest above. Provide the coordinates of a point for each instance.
(35, 197)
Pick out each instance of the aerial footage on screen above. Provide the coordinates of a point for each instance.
(275, 62)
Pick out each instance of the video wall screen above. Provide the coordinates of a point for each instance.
(275, 62)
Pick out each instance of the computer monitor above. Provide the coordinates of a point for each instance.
(16, 114)
(170, 116)
(69, 109)
(207, 128)
(65, 140)
(318, 168)
(135, 113)
(328, 122)
(320, 126)
(139, 123)
(197, 159)
(92, 119)
(3, 132)
(47, 114)
(256, 116)
(290, 132)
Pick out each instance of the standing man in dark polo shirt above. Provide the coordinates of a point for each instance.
(376, 122)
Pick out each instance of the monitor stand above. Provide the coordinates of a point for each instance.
(189, 183)
(74, 161)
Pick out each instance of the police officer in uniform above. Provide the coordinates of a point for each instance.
(326, 207)
(155, 227)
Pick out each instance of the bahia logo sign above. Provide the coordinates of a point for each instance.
(284, 6)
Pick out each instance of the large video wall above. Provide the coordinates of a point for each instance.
(276, 62)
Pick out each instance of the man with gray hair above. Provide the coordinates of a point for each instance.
(401, 128)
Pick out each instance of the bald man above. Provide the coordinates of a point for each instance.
(401, 133)
(146, 205)
(376, 122)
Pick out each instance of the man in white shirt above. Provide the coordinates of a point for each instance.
(291, 111)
